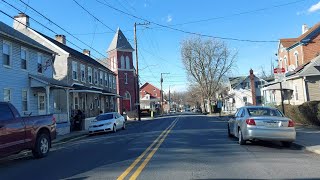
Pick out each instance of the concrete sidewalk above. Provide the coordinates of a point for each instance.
(308, 137)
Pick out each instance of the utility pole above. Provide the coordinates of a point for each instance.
(161, 81)
(137, 67)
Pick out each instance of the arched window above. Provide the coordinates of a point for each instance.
(296, 55)
(127, 95)
(127, 62)
(122, 62)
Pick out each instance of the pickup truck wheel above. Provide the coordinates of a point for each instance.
(42, 146)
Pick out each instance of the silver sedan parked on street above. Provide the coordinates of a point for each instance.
(261, 123)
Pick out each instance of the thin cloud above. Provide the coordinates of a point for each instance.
(169, 18)
(314, 8)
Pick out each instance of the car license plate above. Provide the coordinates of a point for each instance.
(272, 124)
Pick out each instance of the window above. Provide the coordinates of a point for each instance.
(76, 103)
(95, 77)
(296, 55)
(106, 79)
(90, 75)
(286, 63)
(6, 52)
(264, 112)
(83, 73)
(245, 99)
(40, 68)
(127, 62)
(74, 70)
(5, 113)
(296, 92)
(101, 78)
(24, 100)
(23, 56)
(114, 82)
(110, 81)
(122, 62)
(280, 63)
(6, 95)
(107, 103)
(126, 78)
(111, 104)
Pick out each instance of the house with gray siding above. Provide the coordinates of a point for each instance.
(299, 86)
(26, 71)
(94, 85)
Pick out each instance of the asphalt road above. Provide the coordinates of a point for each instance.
(183, 147)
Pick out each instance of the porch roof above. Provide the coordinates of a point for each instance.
(46, 81)
(276, 86)
(79, 88)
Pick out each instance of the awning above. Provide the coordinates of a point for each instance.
(84, 89)
(276, 86)
(42, 81)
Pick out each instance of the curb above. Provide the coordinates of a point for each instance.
(306, 148)
(68, 139)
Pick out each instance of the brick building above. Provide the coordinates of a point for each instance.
(148, 88)
(294, 52)
(120, 62)
(150, 97)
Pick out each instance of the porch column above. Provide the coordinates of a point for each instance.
(48, 99)
(68, 105)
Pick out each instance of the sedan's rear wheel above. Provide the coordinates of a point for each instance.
(114, 128)
(124, 126)
(241, 140)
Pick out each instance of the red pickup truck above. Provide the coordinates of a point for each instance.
(25, 133)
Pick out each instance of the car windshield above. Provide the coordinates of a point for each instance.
(264, 112)
(104, 117)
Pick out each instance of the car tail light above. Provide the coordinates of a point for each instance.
(291, 123)
(251, 122)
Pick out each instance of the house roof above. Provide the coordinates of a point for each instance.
(77, 54)
(18, 36)
(234, 81)
(309, 69)
(305, 37)
(49, 81)
(120, 42)
(146, 84)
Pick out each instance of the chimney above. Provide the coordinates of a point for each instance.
(253, 88)
(61, 38)
(86, 52)
(304, 28)
(21, 21)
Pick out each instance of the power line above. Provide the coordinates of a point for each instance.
(54, 24)
(41, 25)
(188, 32)
(93, 16)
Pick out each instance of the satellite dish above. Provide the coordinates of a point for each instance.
(291, 67)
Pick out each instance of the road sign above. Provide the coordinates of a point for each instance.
(279, 74)
(279, 70)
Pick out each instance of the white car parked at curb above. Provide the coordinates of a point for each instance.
(107, 122)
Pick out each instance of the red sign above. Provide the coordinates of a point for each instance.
(279, 70)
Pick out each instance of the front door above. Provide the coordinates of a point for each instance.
(42, 103)
(126, 104)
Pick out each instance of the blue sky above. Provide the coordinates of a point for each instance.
(159, 48)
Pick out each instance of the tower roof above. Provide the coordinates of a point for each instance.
(120, 42)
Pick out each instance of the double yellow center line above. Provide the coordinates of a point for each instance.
(158, 142)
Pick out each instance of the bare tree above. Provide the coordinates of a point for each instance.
(207, 63)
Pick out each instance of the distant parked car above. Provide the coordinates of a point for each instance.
(172, 111)
(107, 122)
(25, 133)
(261, 123)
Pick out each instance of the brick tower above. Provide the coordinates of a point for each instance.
(121, 62)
